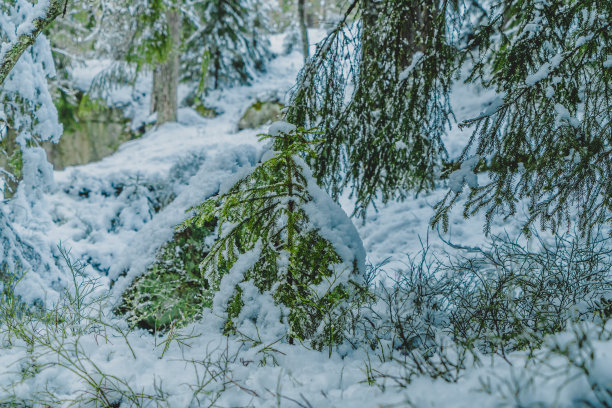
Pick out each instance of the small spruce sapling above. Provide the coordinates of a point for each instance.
(286, 256)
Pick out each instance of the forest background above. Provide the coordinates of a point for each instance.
(177, 177)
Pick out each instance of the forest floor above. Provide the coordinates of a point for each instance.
(113, 216)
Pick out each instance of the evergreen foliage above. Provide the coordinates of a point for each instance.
(225, 43)
(171, 292)
(271, 241)
(379, 89)
(548, 138)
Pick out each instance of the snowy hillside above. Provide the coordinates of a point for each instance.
(113, 216)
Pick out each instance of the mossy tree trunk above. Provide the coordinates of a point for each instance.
(164, 99)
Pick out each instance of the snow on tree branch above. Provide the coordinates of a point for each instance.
(25, 34)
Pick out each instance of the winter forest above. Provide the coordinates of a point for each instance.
(305, 203)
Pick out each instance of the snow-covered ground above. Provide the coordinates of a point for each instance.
(113, 216)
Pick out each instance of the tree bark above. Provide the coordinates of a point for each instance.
(10, 58)
(323, 13)
(303, 32)
(164, 98)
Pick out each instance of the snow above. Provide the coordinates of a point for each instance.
(564, 115)
(544, 70)
(234, 277)
(465, 174)
(400, 145)
(333, 224)
(416, 58)
(114, 215)
(279, 128)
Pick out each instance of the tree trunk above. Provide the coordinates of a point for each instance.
(303, 32)
(164, 99)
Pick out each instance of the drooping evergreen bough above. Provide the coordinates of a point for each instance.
(378, 87)
(379, 83)
(548, 136)
(287, 260)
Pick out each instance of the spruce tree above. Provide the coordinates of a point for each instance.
(225, 43)
(282, 255)
(281, 236)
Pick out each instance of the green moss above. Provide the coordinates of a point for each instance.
(205, 111)
(90, 108)
(92, 130)
(260, 113)
(172, 291)
(234, 306)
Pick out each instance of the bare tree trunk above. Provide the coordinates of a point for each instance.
(18, 47)
(164, 99)
(304, 33)
(323, 21)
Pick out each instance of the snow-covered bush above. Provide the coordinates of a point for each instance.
(27, 112)
(439, 314)
(287, 256)
(172, 292)
(283, 255)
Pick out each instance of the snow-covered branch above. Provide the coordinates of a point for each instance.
(27, 33)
